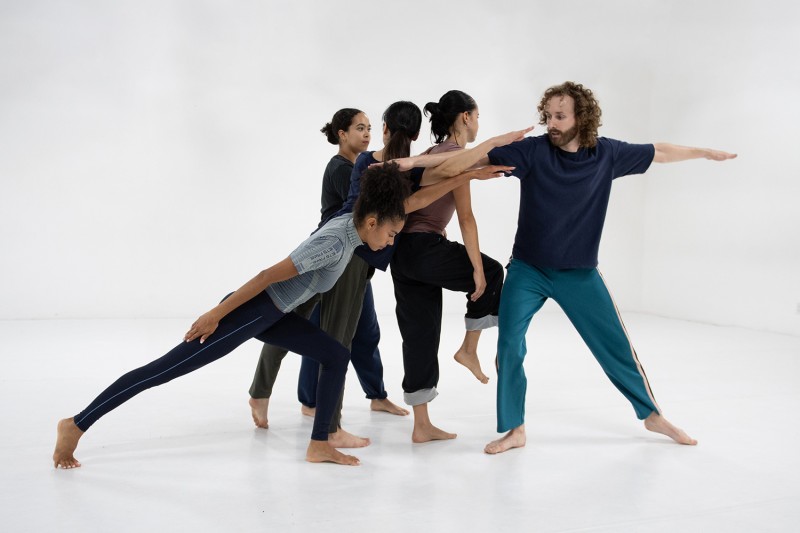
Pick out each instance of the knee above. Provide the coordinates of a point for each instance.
(339, 359)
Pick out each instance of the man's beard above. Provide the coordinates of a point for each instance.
(564, 137)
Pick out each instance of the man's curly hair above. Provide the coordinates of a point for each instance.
(587, 110)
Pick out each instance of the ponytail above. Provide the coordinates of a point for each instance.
(403, 119)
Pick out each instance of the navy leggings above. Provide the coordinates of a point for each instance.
(364, 354)
(257, 318)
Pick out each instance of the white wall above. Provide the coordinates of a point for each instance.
(723, 241)
(156, 154)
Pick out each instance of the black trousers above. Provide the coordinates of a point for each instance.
(423, 264)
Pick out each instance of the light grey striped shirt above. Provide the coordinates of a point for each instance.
(319, 260)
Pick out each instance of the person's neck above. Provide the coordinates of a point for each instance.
(348, 154)
(458, 137)
(573, 146)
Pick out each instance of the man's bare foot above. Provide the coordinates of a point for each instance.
(319, 451)
(513, 439)
(67, 438)
(470, 360)
(387, 406)
(343, 439)
(657, 423)
(259, 408)
(428, 432)
(308, 411)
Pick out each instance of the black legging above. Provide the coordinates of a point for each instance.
(257, 318)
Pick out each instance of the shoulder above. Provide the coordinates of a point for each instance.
(447, 146)
(517, 150)
(365, 159)
(616, 147)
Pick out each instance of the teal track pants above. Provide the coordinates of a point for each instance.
(583, 296)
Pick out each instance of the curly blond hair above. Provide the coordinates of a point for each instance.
(587, 110)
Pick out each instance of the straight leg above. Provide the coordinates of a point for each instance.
(525, 292)
(583, 295)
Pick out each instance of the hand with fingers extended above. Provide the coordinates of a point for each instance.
(510, 137)
(491, 171)
(718, 155)
(203, 327)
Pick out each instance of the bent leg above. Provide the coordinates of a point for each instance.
(269, 362)
(308, 378)
(340, 309)
(300, 336)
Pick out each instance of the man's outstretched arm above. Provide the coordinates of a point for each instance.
(671, 153)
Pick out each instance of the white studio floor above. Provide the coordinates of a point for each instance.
(186, 457)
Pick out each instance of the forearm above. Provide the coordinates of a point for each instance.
(460, 162)
(469, 232)
(278, 272)
(671, 153)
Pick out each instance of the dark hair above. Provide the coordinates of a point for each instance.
(384, 190)
(444, 113)
(403, 120)
(341, 120)
(587, 110)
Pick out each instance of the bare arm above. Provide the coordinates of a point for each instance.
(469, 231)
(427, 195)
(671, 153)
(456, 163)
(207, 323)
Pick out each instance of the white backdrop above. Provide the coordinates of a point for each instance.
(156, 154)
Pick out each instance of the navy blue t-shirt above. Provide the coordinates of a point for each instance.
(564, 196)
(381, 258)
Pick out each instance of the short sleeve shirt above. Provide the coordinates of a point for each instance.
(564, 196)
(319, 260)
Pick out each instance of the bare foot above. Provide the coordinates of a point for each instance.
(387, 406)
(343, 439)
(513, 439)
(657, 423)
(308, 411)
(429, 432)
(319, 451)
(66, 442)
(259, 408)
(470, 360)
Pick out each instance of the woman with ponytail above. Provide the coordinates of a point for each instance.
(350, 130)
(425, 262)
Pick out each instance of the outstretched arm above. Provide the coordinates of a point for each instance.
(671, 153)
(427, 195)
(207, 323)
(449, 164)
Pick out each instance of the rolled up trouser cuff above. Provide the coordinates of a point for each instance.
(419, 397)
(485, 322)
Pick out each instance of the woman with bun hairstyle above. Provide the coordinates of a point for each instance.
(350, 130)
(262, 308)
(340, 307)
(425, 262)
